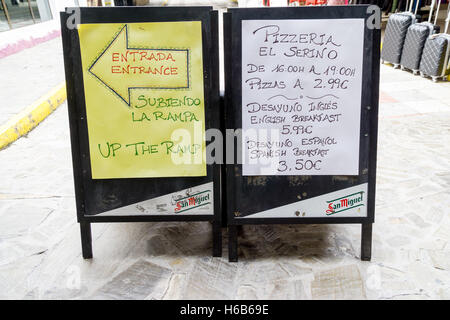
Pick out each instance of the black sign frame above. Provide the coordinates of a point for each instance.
(240, 196)
(101, 195)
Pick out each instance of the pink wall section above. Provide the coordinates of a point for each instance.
(21, 44)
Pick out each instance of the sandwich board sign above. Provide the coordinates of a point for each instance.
(142, 89)
(302, 88)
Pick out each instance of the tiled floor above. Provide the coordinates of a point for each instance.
(40, 254)
(28, 75)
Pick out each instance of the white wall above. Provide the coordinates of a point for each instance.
(44, 10)
(59, 5)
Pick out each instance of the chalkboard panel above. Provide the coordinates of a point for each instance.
(136, 199)
(342, 192)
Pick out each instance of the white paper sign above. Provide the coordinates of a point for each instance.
(301, 96)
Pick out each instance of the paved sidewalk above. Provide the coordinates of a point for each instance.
(40, 252)
(28, 75)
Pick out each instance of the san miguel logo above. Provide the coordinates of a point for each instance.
(351, 201)
(193, 201)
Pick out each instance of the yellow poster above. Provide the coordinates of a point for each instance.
(144, 96)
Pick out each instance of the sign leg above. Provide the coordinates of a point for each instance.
(366, 241)
(232, 244)
(224, 217)
(86, 240)
(217, 239)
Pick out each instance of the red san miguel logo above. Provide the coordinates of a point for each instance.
(193, 201)
(351, 201)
